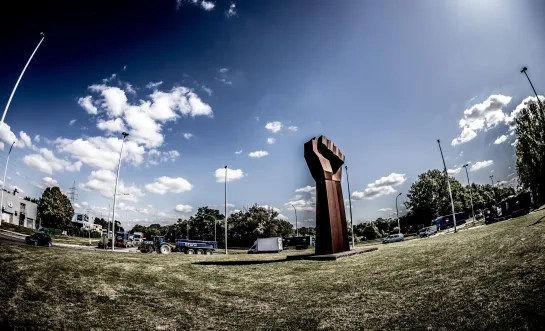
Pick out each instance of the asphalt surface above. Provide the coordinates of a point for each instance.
(4, 239)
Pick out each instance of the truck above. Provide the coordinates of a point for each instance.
(428, 231)
(159, 245)
(512, 206)
(137, 238)
(122, 240)
(446, 221)
(302, 242)
(266, 245)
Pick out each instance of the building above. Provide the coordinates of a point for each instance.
(81, 219)
(16, 210)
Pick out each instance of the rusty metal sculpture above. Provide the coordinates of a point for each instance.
(325, 162)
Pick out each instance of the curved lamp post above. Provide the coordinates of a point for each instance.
(124, 134)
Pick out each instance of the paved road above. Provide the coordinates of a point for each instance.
(16, 240)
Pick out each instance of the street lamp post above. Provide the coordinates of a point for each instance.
(470, 191)
(4, 184)
(532, 85)
(296, 229)
(21, 76)
(492, 179)
(350, 206)
(397, 213)
(124, 134)
(225, 210)
(448, 185)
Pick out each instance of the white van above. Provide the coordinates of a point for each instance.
(393, 238)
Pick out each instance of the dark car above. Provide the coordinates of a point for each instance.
(39, 239)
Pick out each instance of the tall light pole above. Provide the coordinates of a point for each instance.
(492, 179)
(350, 206)
(470, 191)
(448, 184)
(397, 213)
(225, 210)
(532, 85)
(296, 229)
(124, 134)
(21, 76)
(4, 184)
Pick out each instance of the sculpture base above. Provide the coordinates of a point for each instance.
(331, 257)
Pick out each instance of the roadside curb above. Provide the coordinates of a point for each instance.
(13, 234)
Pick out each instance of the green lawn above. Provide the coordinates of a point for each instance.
(83, 241)
(486, 278)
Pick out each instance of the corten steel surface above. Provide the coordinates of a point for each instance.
(325, 162)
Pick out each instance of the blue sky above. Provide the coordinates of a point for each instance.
(383, 80)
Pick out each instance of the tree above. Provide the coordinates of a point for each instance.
(370, 231)
(530, 130)
(55, 209)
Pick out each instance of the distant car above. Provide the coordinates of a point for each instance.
(39, 239)
(430, 230)
(393, 238)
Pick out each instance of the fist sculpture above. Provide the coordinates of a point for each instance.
(325, 161)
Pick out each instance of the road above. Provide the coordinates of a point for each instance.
(16, 240)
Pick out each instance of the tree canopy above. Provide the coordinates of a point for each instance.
(55, 209)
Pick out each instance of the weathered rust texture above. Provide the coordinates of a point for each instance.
(325, 162)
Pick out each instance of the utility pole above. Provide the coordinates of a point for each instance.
(296, 228)
(4, 184)
(448, 184)
(73, 191)
(470, 192)
(225, 210)
(492, 179)
(350, 206)
(397, 213)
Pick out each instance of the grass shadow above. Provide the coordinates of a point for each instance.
(232, 263)
(537, 222)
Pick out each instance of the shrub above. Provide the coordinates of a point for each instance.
(16, 228)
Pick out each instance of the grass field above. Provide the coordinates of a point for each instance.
(485, 278)
(75, 240)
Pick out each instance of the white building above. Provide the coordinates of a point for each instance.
(16, 210)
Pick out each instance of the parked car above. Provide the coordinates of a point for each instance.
(393, 238)
(39, 239)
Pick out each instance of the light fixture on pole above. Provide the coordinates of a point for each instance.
(4, 184)
(470, 191)
(448, 185)
(397, 213)
(225, 210)
(21, 76)
(350, 206)
(532, 85)
(124, 134)
(296, 229)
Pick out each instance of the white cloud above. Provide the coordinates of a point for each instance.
(500, 139)
(454, 171)
(114, 98)
(130, 89)
(385, 209)
(116, 125)
(183, 208)
(232, 174)
(258, 154)
(25, 139)
(155, 157)
(270, 207)
(301, 204)
(238, 152)
(380, 187)
(207, 5)
(72, 121)
(6, 134)
(188, 135)
(208, 90)
(274, 127)
(152, 85)
(292, 128)
(1, 146)
(482, 116)
(37, 138)
(481, 165)
(271, 141)
(101, 152)
(164, 185)
(48, 163)
(87, 104)
(103, 181)
(510, 119)
(232, 11)
(223, 70)
(306, 189)
(85, 204)
(50, 181)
